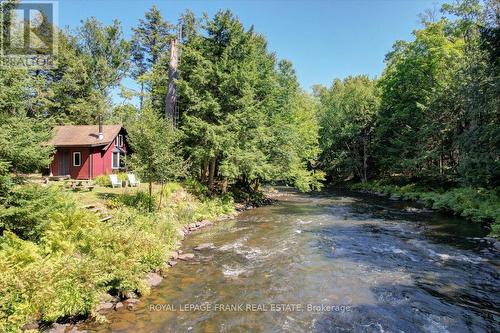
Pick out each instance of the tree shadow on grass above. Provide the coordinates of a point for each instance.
(107, 195)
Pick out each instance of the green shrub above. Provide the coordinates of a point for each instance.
(104, 180)
(138, 200)
(210, 208)
(5, 179)
(27, 209)
(195, 187)
(76, 258)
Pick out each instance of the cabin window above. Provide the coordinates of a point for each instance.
(116, 160)
(77, 158)
(119, 141)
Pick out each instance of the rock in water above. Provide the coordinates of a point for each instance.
(186, 256)
(58, 328)
(204, 246)
(131, 303)
(172, 263)
(118, 306)
(76, 330)
(30, 326)
(174, 256)
(154, 279)
(181, 233)
(204, 223)
(104, 306)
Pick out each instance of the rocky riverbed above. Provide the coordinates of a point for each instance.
(334, 262)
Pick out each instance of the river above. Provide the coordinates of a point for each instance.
(330, 262)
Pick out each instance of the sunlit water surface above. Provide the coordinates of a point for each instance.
(399, 268)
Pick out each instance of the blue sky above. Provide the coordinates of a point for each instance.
(325, 39)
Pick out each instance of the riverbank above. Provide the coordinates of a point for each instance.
(325, 249)
(476, 205)
(71, 256)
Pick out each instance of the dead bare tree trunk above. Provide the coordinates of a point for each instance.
(224, 185)
(141, 97)
(171, 98)
(204, 171)
(161, 194)
(211, 174)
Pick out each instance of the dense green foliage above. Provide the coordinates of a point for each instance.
(348, 115)
(437, 118)
(27, 210)
(417, 117)
(58, 260)
(22, 143)
(154, 143)
(150, 47)
(90, 62)
(429, 124)
(429, 127)
(22, 149)
(244, 117)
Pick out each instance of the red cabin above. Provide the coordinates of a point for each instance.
(88, 151)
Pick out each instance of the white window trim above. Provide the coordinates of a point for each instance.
(119, 140)
(113, 159)
(80, 158)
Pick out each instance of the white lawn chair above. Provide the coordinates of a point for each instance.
(132, 181)
(114, 181)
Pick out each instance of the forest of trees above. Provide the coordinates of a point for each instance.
(432, 117)
(428, 128)
(244, 119)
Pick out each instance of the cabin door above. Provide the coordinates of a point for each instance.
(63, 163)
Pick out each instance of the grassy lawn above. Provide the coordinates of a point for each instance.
(100, 194)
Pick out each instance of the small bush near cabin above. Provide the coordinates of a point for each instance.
(103, 180)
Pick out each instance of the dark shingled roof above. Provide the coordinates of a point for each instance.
(84, 135)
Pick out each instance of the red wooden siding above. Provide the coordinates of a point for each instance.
(95, 161)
